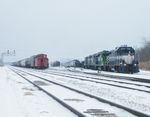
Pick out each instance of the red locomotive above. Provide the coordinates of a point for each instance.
(39, 61)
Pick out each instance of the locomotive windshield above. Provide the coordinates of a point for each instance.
(125, 50)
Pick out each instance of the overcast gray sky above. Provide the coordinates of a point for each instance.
(71, 28)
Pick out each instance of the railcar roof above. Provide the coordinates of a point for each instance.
(98, 53)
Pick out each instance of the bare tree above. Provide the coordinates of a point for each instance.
(143, 55)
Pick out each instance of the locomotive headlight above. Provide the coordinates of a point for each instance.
(134, 64)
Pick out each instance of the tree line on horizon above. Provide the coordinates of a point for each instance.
(143, 55)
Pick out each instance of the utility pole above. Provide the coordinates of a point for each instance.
(8, 53)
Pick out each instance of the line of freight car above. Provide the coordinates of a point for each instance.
(39, 61)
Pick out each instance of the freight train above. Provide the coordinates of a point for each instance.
(39, 61)
(121, 60)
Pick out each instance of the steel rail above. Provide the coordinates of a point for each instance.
(132, 111)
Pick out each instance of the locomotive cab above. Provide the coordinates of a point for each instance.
(125, 51)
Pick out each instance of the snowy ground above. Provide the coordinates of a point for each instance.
(134, 99)
(142, 74)
(21, 99)
(130, 98)
(9, 106)
(78, 101)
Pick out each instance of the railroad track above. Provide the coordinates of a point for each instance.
(121, 77)
(131, 78)
(132, 111)
(91, 112)
(108, 79)
(100, 80)
(52, 96)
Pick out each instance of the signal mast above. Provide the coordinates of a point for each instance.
(8, 53)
